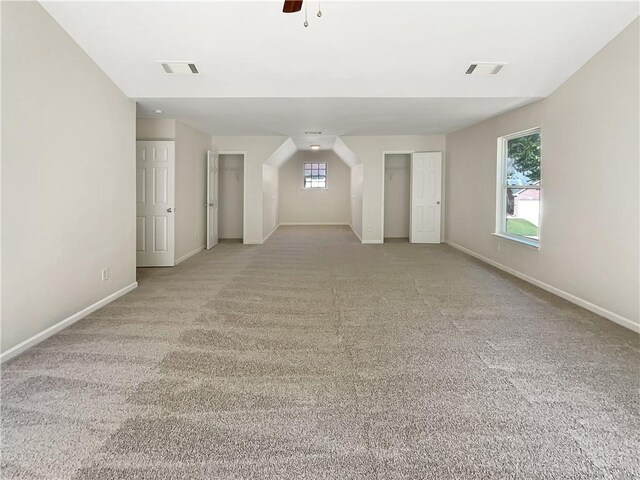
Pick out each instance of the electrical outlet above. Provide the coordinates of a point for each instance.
(105, 274)
(498, 246)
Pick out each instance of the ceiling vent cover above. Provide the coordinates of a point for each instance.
(481, 68)
(180, 68)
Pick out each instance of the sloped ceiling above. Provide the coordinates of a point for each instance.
(289, 148)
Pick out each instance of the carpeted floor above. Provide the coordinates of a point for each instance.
(314, 356)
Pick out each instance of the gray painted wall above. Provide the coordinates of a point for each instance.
(298, 205)
(68, 177)
(590, 149)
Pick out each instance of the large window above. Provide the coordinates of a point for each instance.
(315, 175)
(518, 209)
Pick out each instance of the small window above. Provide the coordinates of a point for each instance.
(519, 187)
(315, 175)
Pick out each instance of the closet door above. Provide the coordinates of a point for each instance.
(213, 161)
(426, 184)
(155, 200)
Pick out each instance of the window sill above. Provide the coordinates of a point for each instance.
(519, 240)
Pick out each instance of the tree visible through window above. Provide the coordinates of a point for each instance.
(519, 186)
(315, 175)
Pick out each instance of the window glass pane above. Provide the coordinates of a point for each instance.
(523, 160)
(315, 175)
(522, 212)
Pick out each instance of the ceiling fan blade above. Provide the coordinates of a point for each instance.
(291, 6)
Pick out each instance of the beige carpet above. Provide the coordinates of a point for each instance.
(313, 356)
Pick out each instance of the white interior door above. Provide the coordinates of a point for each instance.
(213, 160)
(155, 197)
(426, 184)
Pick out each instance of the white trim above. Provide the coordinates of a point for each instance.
(270, 233)
(311, 223)
(522, 133)
(231, 152)
(372, 242)
(39, 337)
(443, 194)
(354, 231)
(524, 241)
(502, 186)
(190, 254)
(614, 317)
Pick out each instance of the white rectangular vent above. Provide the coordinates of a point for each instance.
(180, 68)
(484, 68)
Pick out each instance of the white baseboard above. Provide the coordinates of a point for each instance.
(357, 235)
(39, 337)
(270, 233)
(603, 312)
(189, 255)
(373, 242)
(312, 223)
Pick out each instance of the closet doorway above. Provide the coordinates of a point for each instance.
(231, 196)
(397, 195)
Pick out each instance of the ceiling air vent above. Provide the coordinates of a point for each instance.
(481, 68)
(313, 133)
(180, 68)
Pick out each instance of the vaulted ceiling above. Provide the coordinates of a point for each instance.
(365, 67)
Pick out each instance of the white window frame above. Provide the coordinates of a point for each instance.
(501, 192)
(326, 176)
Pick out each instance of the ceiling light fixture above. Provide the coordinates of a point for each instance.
(315, 147)
(158, 112)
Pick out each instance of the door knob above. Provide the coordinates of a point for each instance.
(438, 203)
(169, 210)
